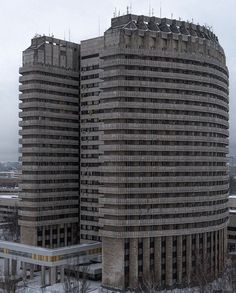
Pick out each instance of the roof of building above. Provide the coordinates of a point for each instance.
(147, 23)
(9, 196)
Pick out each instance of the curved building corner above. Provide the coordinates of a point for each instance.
(164, 133)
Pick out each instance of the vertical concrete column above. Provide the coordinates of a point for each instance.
(169, 261)
(51, 237)
(216, 253)
(179, 259)
(53, 275)
(205, 254)
(24, 270)
(13, 267)
(197, 250)
(43, 279)
(65, 234)
(6, 266)
(113, 274)
(189, 258)
(31, 271)
(212, 253)
(58, 236)
(225, 244)
(49, 277)
(220, 251)
(133, 262)
(62, 274)
(43, 236)
(196, 253)
(18, 266)
(157, 259)
(146, 258)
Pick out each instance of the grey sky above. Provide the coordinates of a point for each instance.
(20, 20)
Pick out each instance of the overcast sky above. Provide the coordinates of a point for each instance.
(20, 20)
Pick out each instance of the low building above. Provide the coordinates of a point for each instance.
(9, 181)
(232, 224)
(52, 262)
(8, 206)
(9, 229)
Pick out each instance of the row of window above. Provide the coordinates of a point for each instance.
(166, 227)
(171, 60)
(160, 184)
(159, 80)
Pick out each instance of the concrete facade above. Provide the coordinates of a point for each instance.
(164, 137)
(90, 138)
(49, 188)
(152, 124)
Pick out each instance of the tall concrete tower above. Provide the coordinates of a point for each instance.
(164, 137)
(49, 189)
(142, 113)
(90, 136)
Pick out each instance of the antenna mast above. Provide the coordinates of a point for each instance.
(99, 26)
(115, 12)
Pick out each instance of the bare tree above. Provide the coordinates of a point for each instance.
(71, 282)
(76, 279)
(203, 274)
(9, 284)
(84, 282)
(146, 284)
(228, 278)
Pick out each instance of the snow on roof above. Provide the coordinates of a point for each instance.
(9, 196)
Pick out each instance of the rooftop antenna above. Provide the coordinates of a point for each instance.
(99, 26)
(119, 13)
(152, 11)
(130, 7)
(127, 9)
(171, 15)
(149, 9)
(69, 34)
(114, 13)
(160, 9)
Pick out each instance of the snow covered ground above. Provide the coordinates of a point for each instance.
(33, 286)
